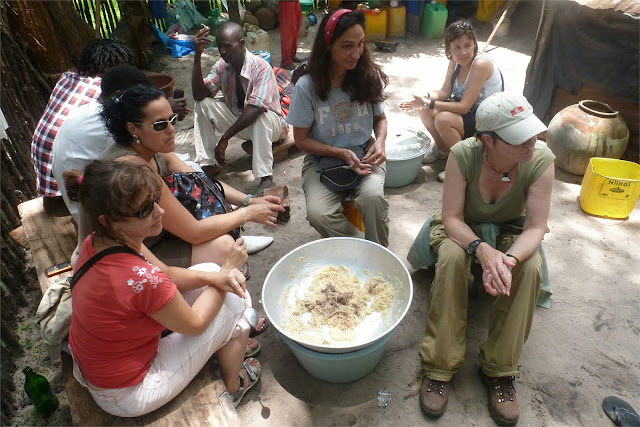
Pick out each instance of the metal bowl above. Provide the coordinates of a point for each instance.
(359, 256)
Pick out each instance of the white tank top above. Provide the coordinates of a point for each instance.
(491, 86)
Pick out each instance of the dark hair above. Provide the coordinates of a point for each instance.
(457, 30)
(365, 83)
(101, 54)
(128, 107)
(121, 77)
(114, 189)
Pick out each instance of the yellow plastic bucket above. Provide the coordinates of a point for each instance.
(353, 215)
(375, 23)
(610, 187)
(396, 21)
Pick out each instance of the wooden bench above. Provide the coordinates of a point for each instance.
(204, 402)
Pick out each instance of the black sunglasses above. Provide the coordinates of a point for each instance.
(464, 25)
(161, 125)
(146, 210)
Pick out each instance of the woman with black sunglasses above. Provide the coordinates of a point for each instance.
(142, 124)
(495, 207)
(449, 113)
(124, 300)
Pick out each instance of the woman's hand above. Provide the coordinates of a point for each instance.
(496, 267)
(416, 101)
(354, 163)
(263, 213)
(376, 154)
(265, 199)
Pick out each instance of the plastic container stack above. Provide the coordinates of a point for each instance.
(396, 21)
(376, 23)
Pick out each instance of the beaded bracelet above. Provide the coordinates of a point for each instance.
(245, 202)
(514, 257)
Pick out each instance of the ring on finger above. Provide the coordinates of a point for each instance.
(235, 283)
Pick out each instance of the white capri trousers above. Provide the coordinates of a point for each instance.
(178, 360)
(213, 118)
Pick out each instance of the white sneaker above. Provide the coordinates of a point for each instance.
(256, 243)
(441, 176)
(433, 153)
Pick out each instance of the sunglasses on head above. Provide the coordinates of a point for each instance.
(146, 210)
(161, 125)
(464, 25)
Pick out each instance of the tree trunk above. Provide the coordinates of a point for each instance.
(52, 32)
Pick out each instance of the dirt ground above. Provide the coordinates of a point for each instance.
(582, 349)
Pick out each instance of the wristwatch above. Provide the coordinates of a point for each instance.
(471, 249)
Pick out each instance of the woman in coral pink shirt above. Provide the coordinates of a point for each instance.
(125, 301)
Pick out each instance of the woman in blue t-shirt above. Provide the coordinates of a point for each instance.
(337, 104)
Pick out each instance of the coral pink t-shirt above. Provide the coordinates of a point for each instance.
(112, 336)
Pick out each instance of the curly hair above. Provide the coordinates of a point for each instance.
(100, 54)
(365, 83)
(456, 30)
(128, 107)
(114, 189)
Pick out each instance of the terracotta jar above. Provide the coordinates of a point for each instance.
(585, 130)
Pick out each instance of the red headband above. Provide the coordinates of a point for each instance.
(331, 25)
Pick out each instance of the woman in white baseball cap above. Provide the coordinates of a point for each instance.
(495, 207)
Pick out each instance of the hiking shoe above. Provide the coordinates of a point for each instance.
(503, 404)
(433, 153)
(434, 396)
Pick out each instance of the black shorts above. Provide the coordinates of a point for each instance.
(468, 120)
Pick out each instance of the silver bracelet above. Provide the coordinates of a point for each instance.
(245, 202)
(244, 216)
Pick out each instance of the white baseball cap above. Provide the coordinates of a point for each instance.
(510, 116)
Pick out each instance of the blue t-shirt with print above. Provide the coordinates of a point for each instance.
(338, 121)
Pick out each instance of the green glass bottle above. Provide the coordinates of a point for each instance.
(39, 391)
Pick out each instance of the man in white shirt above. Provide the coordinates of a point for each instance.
(83, 135)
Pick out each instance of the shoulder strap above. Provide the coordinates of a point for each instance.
(97, 257)
(454, 76)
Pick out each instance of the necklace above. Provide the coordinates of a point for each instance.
(505, 175)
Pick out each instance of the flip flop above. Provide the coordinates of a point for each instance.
(253, 332)
(250, 353)
(620, 412)
(254, 375)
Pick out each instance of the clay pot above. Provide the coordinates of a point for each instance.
(585, 130)
(250, 19)
(266, 18)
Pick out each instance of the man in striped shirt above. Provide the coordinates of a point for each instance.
(250, 109)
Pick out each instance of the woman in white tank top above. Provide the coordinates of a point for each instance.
(449, 113)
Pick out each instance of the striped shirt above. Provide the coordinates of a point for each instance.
(258, 82)
(70, 92)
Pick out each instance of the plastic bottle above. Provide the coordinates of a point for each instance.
(39, 391)
(434, 19)
(215, 20)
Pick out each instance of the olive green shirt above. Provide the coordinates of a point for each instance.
(469, 155)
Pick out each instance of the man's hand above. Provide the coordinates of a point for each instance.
(179, 106)
(201, 39)
(221, 148)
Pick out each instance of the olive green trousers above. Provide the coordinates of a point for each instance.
(443, 346)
